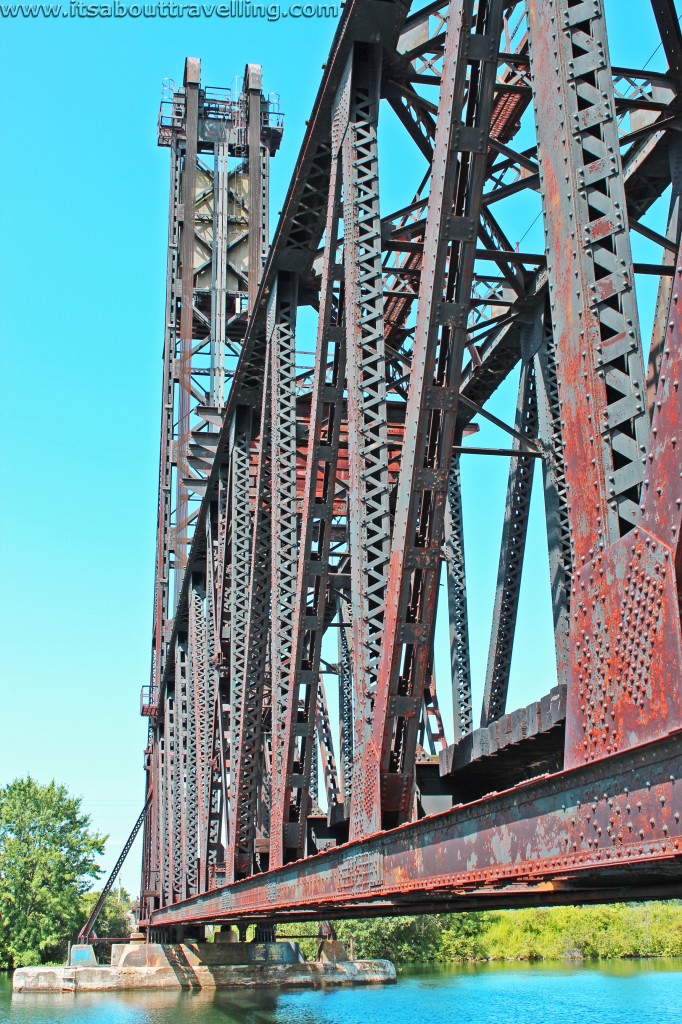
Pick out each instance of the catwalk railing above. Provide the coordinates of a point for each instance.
(337, 494)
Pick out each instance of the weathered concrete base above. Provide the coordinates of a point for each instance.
(202, 976)
(207, 954)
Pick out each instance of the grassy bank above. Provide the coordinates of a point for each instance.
(595, 932)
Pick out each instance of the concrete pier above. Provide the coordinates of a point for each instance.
(203, 966)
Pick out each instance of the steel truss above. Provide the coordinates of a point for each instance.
(328, 470)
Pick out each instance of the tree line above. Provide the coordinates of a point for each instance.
(604, 931)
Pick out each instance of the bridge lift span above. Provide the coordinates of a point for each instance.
(313, 750)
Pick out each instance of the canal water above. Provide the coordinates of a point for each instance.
(643, 992)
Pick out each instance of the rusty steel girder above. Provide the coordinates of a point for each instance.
(614, 825)
(318, 516)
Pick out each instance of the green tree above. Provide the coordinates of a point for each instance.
(464, 935)
(401, 939)
(47, 856)
(114, 917)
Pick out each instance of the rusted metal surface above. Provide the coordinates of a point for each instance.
(556, 835)
(296, 701)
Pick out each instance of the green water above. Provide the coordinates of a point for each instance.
(641, 992)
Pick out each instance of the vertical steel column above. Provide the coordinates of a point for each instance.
(368, 512)
(190, 840)
(226, 754)
(431, 719)
(665, 285)
(212, 851)
(184, 362)
(150, 837)
(460, 663)
(223, 721)
(172, 821)
(514, 530)
(324, 737)
(264, 805)
(165, 820)
(163, 535)
(313, 787)
(668, 21)
(247, 753)
(345, 710)
(626, 646)
(240, 572)
(179, 776)
(660, 516)
(217, 832)
(458, 174)
(293, 733)
(554, 481)
(661, 508)
(600, 372)
(222, 576)
(594, 313)
(284, 547)
(258, 158)
(153, 833)
(213, 658)
(221, 195)
(200, 703)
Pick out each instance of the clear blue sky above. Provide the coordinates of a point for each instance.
(83, 212)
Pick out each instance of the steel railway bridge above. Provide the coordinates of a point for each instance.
(319, 396)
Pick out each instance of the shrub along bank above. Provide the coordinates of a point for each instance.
(592, 932)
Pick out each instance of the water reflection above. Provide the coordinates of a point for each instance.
(202, 1007)
(648, 991)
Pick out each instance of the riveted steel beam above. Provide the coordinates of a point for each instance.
(258, 176)
(605, 423)
(326, 742)
(661, 506)
(294, 719)
(219, 283)
(163, 537)
(554, 484)
(195, 725)
(668, 21)
(240, 574)
(217, 832)
(460, 660)
(594, 313)
(284, 523)
(165, 808)
(183, 369)
(458, 174)
(345, 710)
(248, 727)
(665, 287)
(514, 532)
(367, 414)
(626, 644)
(596, 827)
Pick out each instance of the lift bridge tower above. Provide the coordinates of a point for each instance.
(220, 142)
